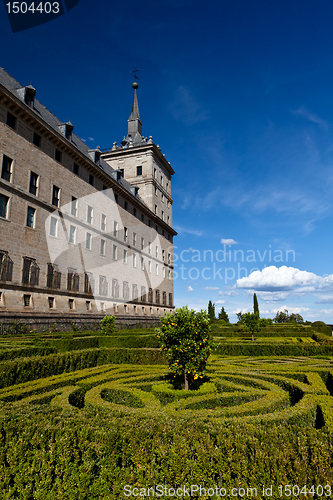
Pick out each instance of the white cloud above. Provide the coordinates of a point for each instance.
(183, 230)
(229, 241)
(211, 288)
(91, 139)
(312, 117)
(190, 289)
(220, 302)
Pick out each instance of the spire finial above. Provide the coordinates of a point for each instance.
(135, 84)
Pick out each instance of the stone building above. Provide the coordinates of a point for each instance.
(83, 232)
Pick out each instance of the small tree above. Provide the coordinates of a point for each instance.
(255, 304)
(211, 311)
(251, 323)
(239, 316)
(223, 315)
(108, 325)
(184, 336)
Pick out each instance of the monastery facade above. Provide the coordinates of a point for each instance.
(83, 232)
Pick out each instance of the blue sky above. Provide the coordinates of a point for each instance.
(239, 97)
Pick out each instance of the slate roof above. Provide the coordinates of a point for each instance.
(43, 113)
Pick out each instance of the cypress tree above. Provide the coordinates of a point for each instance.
(223, 315)
(211, 311)
(255, 304)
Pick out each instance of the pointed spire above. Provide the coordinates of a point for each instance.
(135, 107)
(134, 123)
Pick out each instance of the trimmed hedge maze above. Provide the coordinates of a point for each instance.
(280, 391)
(86, 433)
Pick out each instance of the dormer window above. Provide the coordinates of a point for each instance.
(29, 96)
(95, 155)
(67, 130)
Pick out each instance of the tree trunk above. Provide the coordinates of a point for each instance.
(186, 380)
(252, 337)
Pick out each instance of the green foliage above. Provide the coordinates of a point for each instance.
(284, 317)
(223, 315)
(251, 323)
(184, 336)
(108, 325)
(211, 311)
(321, 327)
(255, 304)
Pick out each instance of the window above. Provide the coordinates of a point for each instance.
(33, 183)
(71, 303)
(149, 248)
(89, 215)
(76, 168)
(134, 260)
(162, 215)
(163, 272)
(11, 120)
(149, 223)
(114, 252)
(103, 247)
(104, 187)
(156, 252)
(116, 198)
(26, 300)
(103, 286)
(6, 171)
(157, 296)
(135, 293)
(125, 256)
(121, 170)
(37, 140)
(68, 133)
(74, 206)
(102, 306)
(164, 299)
(115, 229)
(72, 235)
(142, 218)
(139, 170)
(125, 290)
(30, 273)
(161, 180)
(53, 279)
(89, 283)
(134, 239)
(142, 243)
(91, 180)
(156, 270)
(154, 173)
(55, 196)
(149, 266)
(125, 205)
(143, 294)
(31, 217)
(163, 255)
(57, 155)
(169, 258)
(103, 222)
(169, 274)
(88, 305)
(4, 202)
(125, 233)
(150, 295)
(73, 281)
(162, 198)
(115, 288)
(88, 241)
(6, 266)
(142, 264)
(51, 302)
(53, 226)
(134, 211)
(170, 299)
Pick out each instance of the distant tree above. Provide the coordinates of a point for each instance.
(255, 304)
(296, 318)
(239, 316)
(284, 317)
(211, 311)
(251, 323)
(223, 315)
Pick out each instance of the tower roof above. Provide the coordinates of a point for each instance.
(134, 134)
